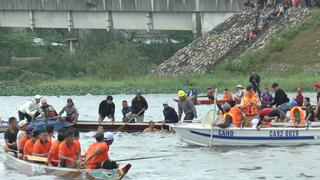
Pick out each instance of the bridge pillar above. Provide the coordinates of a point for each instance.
(70, 21)
(31, 20)
(149, 21)
(109, 21)
(197, 25)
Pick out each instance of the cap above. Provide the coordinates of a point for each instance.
(239, 86)
(44, 101)
(181, 93)
(37, 97)
(209, 87)
(22, 123)
(138, 91)
(108, 136)
(226, 106)
(165, 102)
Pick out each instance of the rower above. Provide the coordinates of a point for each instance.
(23, 141)
(48, 110)
(76, 137)
(69, 155)
(10, 136)
(151, 127)
(27, 109)
(97, 155)
(169, 113)
(97, 152)
(126, 109)
(53, 155)
(138, 107)
(28, 147)
(42, 146)
(50, 131)
(71, 112)
(23, 125)
(185, 105)
(250, 103)
(106, 109)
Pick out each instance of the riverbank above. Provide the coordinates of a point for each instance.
(151, 84)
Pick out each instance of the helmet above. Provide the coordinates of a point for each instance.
(181, 93)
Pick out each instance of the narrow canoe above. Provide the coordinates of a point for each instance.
(131, 127)
(93, 125)
(33, 169)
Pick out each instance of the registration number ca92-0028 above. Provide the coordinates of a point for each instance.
(284, 133)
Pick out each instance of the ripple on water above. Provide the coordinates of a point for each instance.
(251, 169)
(305, 175)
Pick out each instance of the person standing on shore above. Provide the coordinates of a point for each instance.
(107, 109)
(138, 107)
(185, 105)
(254, 80)
(28, 109)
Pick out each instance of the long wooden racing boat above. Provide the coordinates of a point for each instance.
(34, 169)
(130, 127)
(93, 125)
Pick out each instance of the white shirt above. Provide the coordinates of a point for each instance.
(30, 107)
(19, 135)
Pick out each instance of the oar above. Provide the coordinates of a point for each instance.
(133, 159)
(37, 158)
(140, 158)
(121, 127)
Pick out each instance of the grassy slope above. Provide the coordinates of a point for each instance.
(292, 60)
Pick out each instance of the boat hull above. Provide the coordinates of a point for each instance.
(33, 169)
(197, 134)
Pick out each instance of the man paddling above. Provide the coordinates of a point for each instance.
(53, 155)
(42, 146)
(23, 141)
(169, 113)
(72, 113)
(69, 155)
(23, 125)
(28, 147)
(185, 105)
(107, 109)
(138, 106)
(10, 136)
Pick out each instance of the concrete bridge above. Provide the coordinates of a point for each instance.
(192, 15)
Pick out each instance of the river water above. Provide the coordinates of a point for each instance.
(188, 162)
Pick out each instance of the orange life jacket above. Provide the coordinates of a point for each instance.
(227, 96)
(236, 112)
(230, 114)
(297, 122)
(250, 110)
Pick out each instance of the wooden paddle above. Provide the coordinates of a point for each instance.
(134, 159)
(37, 158)
(121, 127)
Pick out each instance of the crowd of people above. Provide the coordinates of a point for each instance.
(26, 143)
(257, 108)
